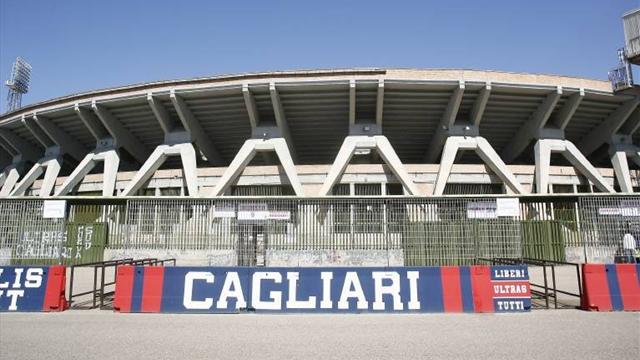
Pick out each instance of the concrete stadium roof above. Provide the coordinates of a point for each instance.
(410, 106)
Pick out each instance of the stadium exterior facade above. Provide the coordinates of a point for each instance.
(312, 123)
(366, 156)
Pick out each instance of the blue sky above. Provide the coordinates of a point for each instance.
(77, 46)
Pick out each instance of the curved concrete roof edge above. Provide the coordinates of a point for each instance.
(501, 77)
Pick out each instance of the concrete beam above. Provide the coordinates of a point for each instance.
(485, 151)
(632, 124)
(122, 136)
(250, 104)
(111, 160)
(192, 125)
(281, 119)
(67, 143)
(157, 158)
(529, 131)
(380, 143)
(621, 169)
(352, 102)
(480, 105)
(565, 114)
(10, 179)
(91, 121)
(21, 146)
(37, 132)
(543, 150)
(8, 148)
(247, 152)
(380, 103)
(52, 165)
(602, 133)
(160, 113)
(446, 122)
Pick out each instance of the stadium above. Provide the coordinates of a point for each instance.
(324, 167)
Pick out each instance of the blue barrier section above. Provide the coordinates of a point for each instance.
(30, 288)
(323, 290)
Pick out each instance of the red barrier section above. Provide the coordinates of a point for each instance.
(610, 287)
(54, 296)
(124, 288)
(629, 286)
(482, 291)
(152, 289)
(451, 290)
(595, 288)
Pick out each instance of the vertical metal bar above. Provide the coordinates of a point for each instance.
(555, 289)
(102, 286)
(546, 287)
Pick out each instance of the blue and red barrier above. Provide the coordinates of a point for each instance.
(396, 289)
(614, 287)
(32, 288)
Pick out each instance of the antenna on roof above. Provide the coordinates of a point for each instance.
(18, 84)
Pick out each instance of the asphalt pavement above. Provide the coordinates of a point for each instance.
(94, 334)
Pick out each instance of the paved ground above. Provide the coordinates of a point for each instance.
(564, 334)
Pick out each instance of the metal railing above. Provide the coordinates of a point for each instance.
(548, 290)
(101, 292)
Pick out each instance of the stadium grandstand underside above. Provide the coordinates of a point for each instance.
(325, 167)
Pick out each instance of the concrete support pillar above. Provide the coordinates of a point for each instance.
(50, 166)
(378, 142)
(11, 175)
(157, 158)
(247, 152)
(543, 150)
(485, 151)
(111, 161)
(621, 169)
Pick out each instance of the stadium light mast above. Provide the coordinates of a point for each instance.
(18, 84)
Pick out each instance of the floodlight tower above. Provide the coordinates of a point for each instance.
(18, 84)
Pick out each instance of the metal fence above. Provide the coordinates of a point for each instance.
(338, 231)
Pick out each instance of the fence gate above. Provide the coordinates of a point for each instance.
(604, 223)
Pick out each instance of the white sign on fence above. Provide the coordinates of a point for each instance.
(481, 210)
(507, 207)
(54, 209)
(279, 215)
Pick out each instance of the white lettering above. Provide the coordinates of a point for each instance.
(232, 280)
(33, 278)
(17, 281)
(414, 303)
(14, 294)
(275, 296)
(326, 302)
(351, 280)
(292, 302)
(393, 289)
(187, 298)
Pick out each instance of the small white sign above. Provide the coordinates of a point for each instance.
(481, 210)
(54, 209)
(253, 215)
(507, 207)
(224, 212)
(630, 211)
(279, 215)
(608, 211)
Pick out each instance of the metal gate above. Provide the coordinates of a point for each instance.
(605, 222)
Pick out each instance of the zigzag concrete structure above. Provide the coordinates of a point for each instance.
(412, 132)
